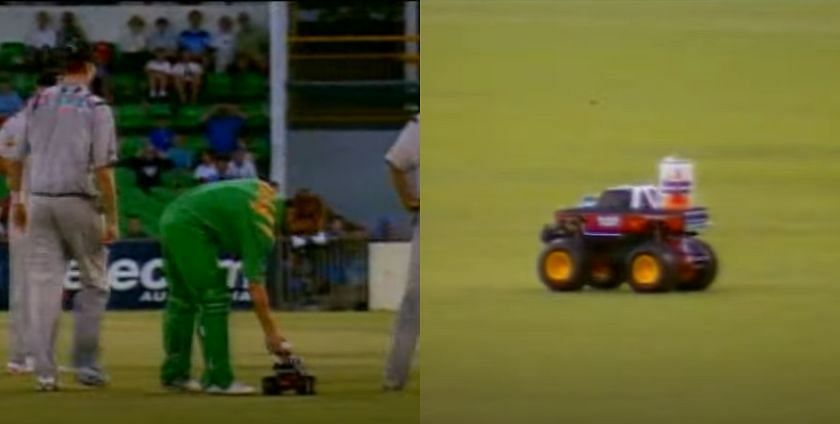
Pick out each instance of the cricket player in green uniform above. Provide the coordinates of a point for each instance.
(236, 217)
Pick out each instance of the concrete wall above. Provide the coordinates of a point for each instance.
(108, 23)
(348, 169)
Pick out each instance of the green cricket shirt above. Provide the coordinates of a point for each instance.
(239, 216)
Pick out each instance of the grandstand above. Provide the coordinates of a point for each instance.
(346, 71)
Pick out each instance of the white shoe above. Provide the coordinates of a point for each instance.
(235, 389)
(298, 242)
(47, 384)
(190, 386)
(16, 368)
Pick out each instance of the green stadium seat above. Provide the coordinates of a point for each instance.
(196, 144)
(189, 117)
(23, 83)
(132, 117)
(128, 87)
(257, 115)
(218, 87)
(129, 146)
(251, 86)
(160, 110)
(260, 147)
(12, 54)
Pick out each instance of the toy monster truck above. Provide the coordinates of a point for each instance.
(624, 235)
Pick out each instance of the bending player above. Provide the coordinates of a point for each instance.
(235, 217)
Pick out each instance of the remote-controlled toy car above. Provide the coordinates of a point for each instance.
(643, 234)
(289, 375)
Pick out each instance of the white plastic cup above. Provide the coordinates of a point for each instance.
(676, 183)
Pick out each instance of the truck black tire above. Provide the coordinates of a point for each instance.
(652, 268)
(705, 275)
(562, 265)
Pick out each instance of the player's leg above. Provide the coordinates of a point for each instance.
(81, 229)
(18, 350)
(181, 308)
(46, 265)
(214, 298)
(407, 324)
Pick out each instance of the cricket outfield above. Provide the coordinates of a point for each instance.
(346, 351)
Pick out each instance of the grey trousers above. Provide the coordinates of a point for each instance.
(60, 229)
(407, 323)
(18, 350)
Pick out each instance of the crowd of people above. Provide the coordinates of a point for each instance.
(173, 61)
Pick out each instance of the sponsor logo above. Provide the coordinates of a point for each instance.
(608, 220)
(126, 274)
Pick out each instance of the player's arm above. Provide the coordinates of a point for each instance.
(403, 186)
(104, 154)
(402, 159)
(257, 244)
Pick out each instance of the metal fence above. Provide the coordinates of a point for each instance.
(332, 276)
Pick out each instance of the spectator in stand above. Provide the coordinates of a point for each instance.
(41, 40)
(148, 167)
(181, 157)
(195, 39)
(340, 228)
(187, 73)
(10, 101)
(70, 33)
(224, 44)
(101, 84)
(163, 37)
(159, 71)
(307, 219)
(251, 43)
(134, 228)
(206, 170)
(242, 165)
(223, 126)
(161, 137)
(133, 44)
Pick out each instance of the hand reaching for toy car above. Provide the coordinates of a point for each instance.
(278, 345)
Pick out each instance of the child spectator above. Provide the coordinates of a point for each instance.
(242, 165)
(251, 43)
(148, 167)
(224, 43)
(180, 156)
(195, 40)
(187, 73)
(223, 125)
(10, 101)
(70, 33)
(159, 70)
(41, 40)
(206, 171)
(134, 228)
(133, 43)
(161, 137)
(163, 37)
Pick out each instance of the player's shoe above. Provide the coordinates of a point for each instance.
(189, 386)
(46, 384)
(235, 389)
(91, 377)
(17, 368)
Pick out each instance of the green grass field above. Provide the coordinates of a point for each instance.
(530, 104)
(345, 350)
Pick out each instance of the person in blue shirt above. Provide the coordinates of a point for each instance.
(195, 40)
(161, 137)
(181, 156)
(10, 101)
(223, 126)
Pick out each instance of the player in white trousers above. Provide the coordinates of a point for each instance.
(20, 358)
(404, 161)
